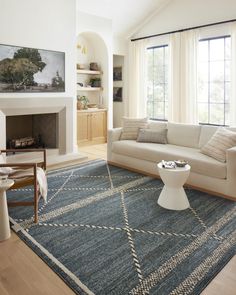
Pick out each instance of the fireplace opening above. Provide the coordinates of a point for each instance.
(32, 131)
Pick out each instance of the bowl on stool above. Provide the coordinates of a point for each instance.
(181, 163)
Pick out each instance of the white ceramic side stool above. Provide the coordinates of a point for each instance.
(173, 195)
(5, 232)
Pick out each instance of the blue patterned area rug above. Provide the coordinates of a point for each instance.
(103, 233)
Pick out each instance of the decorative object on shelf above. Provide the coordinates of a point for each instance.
(117, 94)
(80, 67)
(93, 66)
(92, 105)
(82, 48)
(25, 69)
(117, 74)
(95, 82)
(82, 102)
(181, 163)
(80, 84)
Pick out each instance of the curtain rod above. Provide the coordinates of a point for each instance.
(182, 30)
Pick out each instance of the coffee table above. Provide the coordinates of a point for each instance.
(5, 232)
(173, 196)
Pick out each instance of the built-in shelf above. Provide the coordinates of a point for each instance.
(89, 88)
(89, 72)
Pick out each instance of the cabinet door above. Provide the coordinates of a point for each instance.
(83, 127)
(99, 126)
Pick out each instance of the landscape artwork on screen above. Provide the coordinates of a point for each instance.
(25, 69)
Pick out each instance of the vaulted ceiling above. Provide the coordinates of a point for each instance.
(127, 15)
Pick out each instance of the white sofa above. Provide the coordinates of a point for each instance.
(184, 142)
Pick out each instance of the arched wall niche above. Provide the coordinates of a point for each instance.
(92, 48)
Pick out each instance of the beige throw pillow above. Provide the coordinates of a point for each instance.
(148, 135)
(216, 147)
(5, 171)
(131, 128)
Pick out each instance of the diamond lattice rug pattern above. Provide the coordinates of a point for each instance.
(103, 233)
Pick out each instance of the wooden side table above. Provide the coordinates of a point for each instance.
(5, 232)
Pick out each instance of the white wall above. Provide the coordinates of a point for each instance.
(94, 25)
(120, 45)
(180, 14)
(44, 24)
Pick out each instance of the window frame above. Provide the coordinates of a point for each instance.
(208, 39)
(153, 48)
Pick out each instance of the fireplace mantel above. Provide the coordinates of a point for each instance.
(64, 106)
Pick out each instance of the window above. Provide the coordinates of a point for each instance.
(214, 80)
(157, 82)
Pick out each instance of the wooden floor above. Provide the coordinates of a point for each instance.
(23, 273)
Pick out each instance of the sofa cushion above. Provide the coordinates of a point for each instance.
(157, 125)
(149, 135)
(131, 127)
(154, 152)
(183, 134)
(222, 140)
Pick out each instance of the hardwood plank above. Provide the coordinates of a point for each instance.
(22, 272)
(224, 282)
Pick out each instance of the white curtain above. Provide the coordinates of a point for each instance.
(174, 79)
(233, 76)
(183, 77)
(137, 79)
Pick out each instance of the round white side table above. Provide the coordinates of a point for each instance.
(5, 232)
(173, 195)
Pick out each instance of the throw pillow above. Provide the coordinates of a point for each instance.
(5, 171)
(216, 147)
(131, 128)
(148, 135)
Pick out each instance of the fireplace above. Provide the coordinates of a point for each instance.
(35, 130)
(60, 107)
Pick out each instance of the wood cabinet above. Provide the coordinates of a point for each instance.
(91, 126)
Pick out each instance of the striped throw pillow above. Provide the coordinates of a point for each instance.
(131, 128)
(216, 147)
(155, 136)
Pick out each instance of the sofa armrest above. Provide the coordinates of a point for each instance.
(231, 169)
(113, 135)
